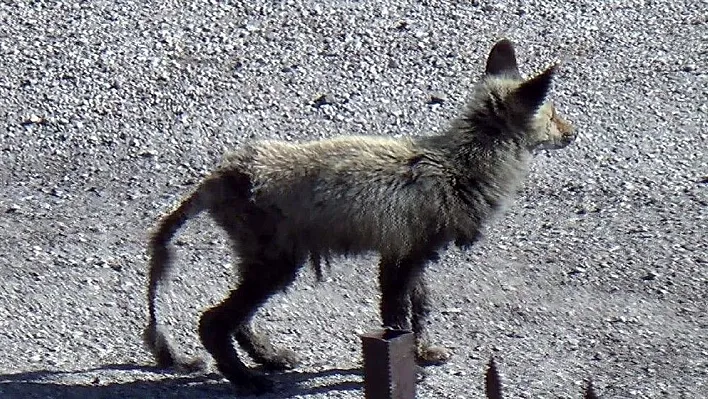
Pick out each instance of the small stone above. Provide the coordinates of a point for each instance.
(148, 153)
(650, 276)
(494, 7)
(402, 25)
(437, 98)
(322, 100)
(33, 119)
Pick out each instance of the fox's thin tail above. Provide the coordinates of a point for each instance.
(160, 264)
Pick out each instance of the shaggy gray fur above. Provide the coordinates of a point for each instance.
(405, 198)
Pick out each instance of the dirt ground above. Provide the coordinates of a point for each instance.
(110, 111)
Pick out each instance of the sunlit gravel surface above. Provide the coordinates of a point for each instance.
(110, 111)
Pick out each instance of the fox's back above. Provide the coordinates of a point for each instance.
(355, 157)
(364, 188)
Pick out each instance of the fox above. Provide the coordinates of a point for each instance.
(286, 204)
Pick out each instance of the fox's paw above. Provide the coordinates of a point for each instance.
(431, 354)
(282, 359)
(193, 365)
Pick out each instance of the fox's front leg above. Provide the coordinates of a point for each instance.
(426, 353)
(395, 278)
(404, 293)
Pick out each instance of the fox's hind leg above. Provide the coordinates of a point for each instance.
(261, 277)
(420, 306)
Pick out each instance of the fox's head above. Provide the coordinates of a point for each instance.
(512, 106)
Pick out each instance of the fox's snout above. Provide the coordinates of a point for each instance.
(569, 136)
(565, 133)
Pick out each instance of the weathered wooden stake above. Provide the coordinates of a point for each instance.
(389, 364)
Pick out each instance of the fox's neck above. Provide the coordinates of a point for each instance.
(470, 150)
(479, 159)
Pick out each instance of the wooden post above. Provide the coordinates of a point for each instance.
(389, 364)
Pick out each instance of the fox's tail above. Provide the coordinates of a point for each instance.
(160, 264)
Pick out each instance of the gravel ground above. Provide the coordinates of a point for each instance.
(111, 110)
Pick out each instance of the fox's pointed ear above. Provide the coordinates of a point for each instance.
(532, 93)
(502, 60)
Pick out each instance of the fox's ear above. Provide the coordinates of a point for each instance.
(502, 60)
(532, 93)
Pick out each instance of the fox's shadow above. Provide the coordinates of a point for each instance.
(44, 384)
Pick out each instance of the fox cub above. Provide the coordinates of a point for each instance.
(284, 204)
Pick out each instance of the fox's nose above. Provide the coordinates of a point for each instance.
(571, 134)
(569, 138)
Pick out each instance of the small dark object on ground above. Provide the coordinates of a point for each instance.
(493, 386)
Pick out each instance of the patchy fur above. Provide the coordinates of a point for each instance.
(406, 198)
